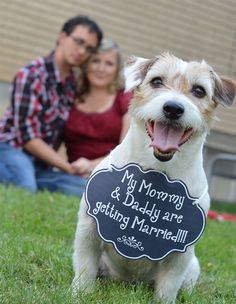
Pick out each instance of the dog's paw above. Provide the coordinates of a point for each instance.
(161, 301)
(163, 298)
(155, 301)
(80, 285)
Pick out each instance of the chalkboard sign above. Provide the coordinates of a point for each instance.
(143, 213)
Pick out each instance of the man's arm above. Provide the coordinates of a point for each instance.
(38, 148)
(26, 96)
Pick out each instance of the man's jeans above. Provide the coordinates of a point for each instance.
(17, 168)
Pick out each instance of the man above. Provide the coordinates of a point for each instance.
(43, 92)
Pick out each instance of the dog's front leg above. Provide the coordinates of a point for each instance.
(171, 276)
(87, 254)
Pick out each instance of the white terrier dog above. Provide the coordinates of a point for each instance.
(172, 109)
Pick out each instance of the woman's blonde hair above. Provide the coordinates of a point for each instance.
(105, 46)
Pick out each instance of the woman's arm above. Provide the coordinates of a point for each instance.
(125, 125)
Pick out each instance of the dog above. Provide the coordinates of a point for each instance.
(172, 109)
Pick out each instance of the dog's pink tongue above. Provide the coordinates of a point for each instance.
(166, 138)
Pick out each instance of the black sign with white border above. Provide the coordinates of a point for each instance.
(143, 213)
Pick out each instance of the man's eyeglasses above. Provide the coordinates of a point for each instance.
(81, 43)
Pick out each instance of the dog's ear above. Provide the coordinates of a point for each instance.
(135, 71)
(225, 90)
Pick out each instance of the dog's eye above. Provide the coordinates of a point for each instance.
(198, 91)
(156, 82)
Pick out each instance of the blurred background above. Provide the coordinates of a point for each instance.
(203, 29)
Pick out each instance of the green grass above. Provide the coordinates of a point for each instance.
(36, 239)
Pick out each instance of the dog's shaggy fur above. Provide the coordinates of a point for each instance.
(172, 109)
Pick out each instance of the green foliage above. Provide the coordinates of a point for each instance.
(36, 245)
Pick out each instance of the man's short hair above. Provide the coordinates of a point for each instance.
(70, 25)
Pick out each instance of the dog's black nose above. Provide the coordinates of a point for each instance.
(173, 109)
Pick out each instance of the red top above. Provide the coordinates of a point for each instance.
(94, 135)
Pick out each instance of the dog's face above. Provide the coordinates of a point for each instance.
(174, 100)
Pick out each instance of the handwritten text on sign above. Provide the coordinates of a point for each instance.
(143, 213)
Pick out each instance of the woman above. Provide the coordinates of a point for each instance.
(99, 120)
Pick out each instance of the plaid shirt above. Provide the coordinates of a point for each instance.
(40, 104)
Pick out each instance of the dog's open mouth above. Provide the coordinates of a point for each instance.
(166, 138)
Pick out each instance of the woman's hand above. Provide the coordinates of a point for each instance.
(83, 166)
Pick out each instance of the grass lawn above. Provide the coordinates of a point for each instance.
(36, 239)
